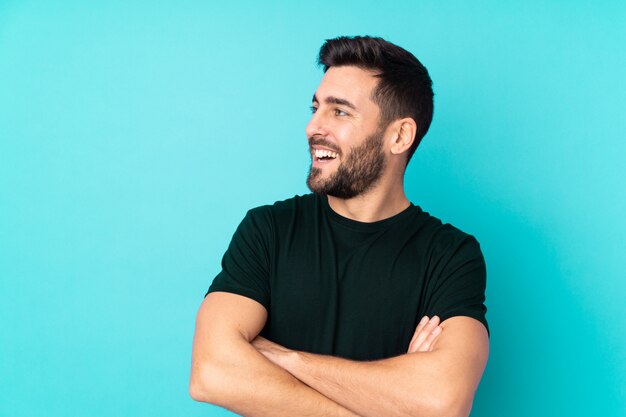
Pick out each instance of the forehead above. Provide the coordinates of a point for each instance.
(348, 82)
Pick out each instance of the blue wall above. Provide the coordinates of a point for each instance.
(134, 137)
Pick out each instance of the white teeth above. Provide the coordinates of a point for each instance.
(322, 153)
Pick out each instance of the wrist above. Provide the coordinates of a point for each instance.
(291, 360)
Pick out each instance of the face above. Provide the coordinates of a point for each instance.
(345, 140)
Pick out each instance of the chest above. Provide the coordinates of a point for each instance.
(333, 298)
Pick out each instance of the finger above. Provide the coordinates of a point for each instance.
(419, 328)
(432, 324)
(429, 342)
(420, 334)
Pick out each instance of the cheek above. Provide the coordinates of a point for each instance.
(346, 136)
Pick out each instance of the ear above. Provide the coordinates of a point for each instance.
(403, 135)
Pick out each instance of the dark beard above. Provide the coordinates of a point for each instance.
(358, 173)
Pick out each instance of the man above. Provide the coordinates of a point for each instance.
(316, 310)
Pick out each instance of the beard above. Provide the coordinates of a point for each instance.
(362, 168)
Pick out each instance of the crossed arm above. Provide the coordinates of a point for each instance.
(235, 369)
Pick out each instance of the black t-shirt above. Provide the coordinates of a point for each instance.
(336, 286)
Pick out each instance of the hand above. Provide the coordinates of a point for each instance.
(425, 334)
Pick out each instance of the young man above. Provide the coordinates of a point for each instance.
(316, 310)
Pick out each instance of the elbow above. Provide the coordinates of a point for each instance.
(451, 405)
(201, 384)
(441, 403)
(197, 391)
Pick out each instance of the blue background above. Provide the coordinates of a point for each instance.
(134, 136)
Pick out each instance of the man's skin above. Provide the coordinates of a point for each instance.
(438, 376)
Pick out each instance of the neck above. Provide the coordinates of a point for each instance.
(377, 204)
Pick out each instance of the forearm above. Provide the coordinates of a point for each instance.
(437, 379)
(399, 386)
(242, 380)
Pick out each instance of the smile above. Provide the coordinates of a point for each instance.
(324, 155)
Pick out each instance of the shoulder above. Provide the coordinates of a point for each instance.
(280, 211)
(283, 208)
(447, 239)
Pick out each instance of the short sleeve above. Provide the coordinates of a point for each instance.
(458, 281)
(245, 265)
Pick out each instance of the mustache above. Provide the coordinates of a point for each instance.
(323, 142)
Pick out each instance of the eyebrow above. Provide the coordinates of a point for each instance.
(335, 100)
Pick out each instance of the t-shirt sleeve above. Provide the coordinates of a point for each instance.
(459, 281)
(245, 265)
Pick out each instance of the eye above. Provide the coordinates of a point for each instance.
(339, 112)
(313, 109)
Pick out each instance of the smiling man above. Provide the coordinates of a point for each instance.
(351, 300)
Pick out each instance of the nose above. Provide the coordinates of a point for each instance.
(316, 126)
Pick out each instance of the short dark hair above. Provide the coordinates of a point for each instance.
(404, 89)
